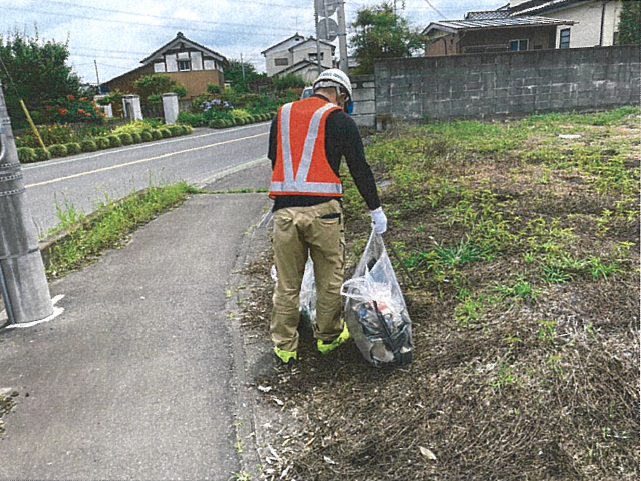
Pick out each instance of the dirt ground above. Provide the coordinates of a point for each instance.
(526, 354)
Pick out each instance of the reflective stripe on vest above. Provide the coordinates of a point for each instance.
(299, 184)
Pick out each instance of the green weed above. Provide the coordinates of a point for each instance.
(111, 225)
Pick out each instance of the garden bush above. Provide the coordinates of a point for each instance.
(102, 143)
(126, 139)
(114, 141)
(166, 133)
(88, 145)
(146, 136)
(41, 154)
(156, 134)
(73, 148)
(136, 137)
(58, 150)
(195, 120)
(176, 130)
(26, 155)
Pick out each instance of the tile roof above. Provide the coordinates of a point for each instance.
(521, 21)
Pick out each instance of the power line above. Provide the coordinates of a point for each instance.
(173, 27)
(436, 10)
(110, 10)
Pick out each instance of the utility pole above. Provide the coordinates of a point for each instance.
(342, 38)
(97, 78)
(242, 66)
(22, 275)
(318, 52)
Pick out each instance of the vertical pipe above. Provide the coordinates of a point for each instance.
(5, 296)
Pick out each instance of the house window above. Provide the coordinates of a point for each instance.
(565, 38)
(184, 65)
(615, 38)
(519, 45)
(281, 62)
(314, 56)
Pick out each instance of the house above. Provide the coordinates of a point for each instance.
(596, 21)
(298, 55)
(182, 59)
(491, 31)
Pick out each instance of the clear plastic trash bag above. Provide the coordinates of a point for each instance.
(307, 295)
(375, 310)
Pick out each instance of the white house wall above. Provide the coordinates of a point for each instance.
(172, 63)
(303, 54)
(196, 60)
(587, 31)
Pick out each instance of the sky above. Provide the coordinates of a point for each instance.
(118, 34)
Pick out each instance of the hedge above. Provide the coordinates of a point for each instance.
(88, 145)
(114, 141)
(73, 148)
(26, 155)
(57, 150)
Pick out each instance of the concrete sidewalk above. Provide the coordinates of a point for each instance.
(142, 376)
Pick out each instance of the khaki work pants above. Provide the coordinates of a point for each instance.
(297, 232)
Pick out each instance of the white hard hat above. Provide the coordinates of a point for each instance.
(333, 77)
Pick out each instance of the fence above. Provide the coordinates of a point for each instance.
(495, 85)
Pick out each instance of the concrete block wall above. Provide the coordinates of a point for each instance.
(507, 84)
(364, 91)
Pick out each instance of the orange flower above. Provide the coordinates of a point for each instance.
(62, 111)
(87, 114)
(81, 111)
(70, 97)
(83, 98)
(48, 107)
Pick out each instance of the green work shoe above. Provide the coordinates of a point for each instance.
(327, 348)
(285, 356)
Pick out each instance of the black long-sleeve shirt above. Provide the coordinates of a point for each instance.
(342, 139)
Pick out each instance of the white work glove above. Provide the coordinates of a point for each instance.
(379, 220)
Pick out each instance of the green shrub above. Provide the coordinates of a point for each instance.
(156, 134)
(146, 136)
(218, 124)
(88, 145)
(114, 141)
(126, 139)
(50, 135)
(166, 133)
(230, 122)
(136, 138)
(73, 148)
(26, 155)
(176, 130)
(188, 129)
(41, 154)
(195, 120)
(57, 150)
(102, 143)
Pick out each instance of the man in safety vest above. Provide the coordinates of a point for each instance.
(307, 141)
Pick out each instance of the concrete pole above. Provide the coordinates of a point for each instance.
(22, 274)
(342, 38)
(318, 50)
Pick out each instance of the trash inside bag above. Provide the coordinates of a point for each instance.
(307, 296)
(375, 310)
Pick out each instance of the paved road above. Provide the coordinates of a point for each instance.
(86, 179)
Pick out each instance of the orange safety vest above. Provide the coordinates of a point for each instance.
(301, 166)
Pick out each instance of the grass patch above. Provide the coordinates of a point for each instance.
(110, 226)
(525, 251)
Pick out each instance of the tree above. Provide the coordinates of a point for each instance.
(289, 81)
(630, 23)
(151, 87)
(381, 33)
(234, 75)
(39, 72)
